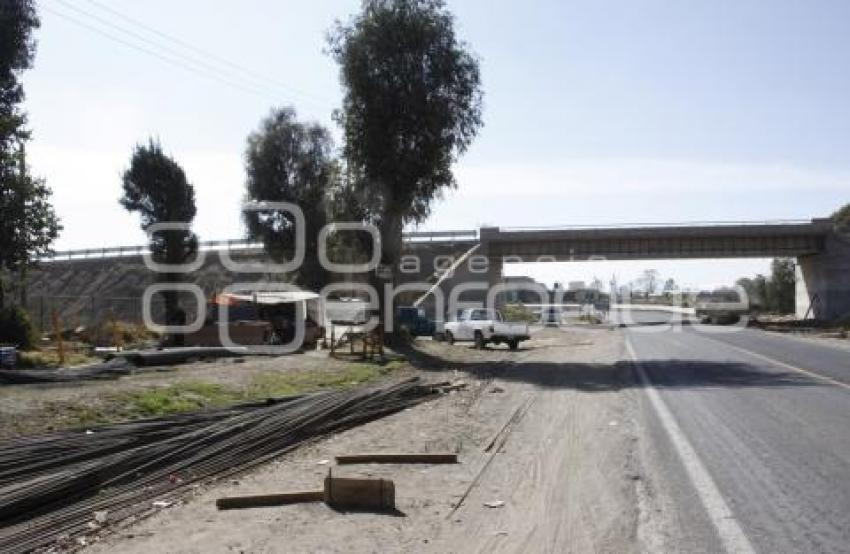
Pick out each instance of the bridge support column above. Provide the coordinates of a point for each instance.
(823, 282)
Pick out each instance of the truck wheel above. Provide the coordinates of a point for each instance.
(450, 338)
(513, 345)
(479, 340)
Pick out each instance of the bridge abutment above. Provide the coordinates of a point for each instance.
(823, 281)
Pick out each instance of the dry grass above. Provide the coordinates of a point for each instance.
(50, 358)
(190, 395)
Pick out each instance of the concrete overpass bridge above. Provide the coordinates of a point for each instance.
(641, 242)
(823, 258)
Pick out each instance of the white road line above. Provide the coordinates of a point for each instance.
(730, 533)
(776, 362)
(832, 344)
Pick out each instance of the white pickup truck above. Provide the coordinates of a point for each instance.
(485, 327)
(720, 306)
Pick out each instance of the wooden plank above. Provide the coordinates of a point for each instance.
(397, 458)
(281, 499)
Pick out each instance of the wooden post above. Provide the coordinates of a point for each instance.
(60, 344)
(236, 502)
(117, 340)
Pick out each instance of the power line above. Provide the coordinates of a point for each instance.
(210, 55)
(179, 55)
(179, 59)
(142, 38)
(153, 53)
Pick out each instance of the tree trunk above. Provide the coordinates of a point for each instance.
(173, 314)
(391, 243)
(23, 289)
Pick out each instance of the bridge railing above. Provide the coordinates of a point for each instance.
(419, 236)
(235, 244)
(138, 250)
(642, 225)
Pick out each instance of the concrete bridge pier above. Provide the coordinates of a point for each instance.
(823, 281)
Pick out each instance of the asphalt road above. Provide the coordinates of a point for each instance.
(749, 438)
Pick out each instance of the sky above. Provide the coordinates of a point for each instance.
(595, 112)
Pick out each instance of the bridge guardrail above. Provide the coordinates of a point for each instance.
(234, 244)
(138, 250)
(663, 225)
(653, 308)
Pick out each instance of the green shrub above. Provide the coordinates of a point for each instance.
(105, 334)
(16, 329)
(590, 318)
(841, 219)
(518, 312)
(50, 359)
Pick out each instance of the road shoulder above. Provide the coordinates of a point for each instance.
(563, 479)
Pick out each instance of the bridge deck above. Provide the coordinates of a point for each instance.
(705, 241)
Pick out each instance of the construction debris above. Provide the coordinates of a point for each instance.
(449, 386)
(359, 494)
(52, 484)
(180, 355)
(397, 459)
(339, 493)
(107, 370)
(265, 500)
(494, 446)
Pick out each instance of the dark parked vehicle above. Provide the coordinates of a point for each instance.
(414, 320)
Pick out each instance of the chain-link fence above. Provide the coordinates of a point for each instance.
(89, 311)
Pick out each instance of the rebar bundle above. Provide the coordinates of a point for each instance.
(52, 485)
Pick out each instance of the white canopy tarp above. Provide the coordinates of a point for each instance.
(274, 297)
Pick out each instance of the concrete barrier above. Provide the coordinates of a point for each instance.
(654, 308)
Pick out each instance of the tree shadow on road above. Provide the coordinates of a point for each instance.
(667, 374)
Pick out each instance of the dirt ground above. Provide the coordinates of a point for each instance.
(561, 474)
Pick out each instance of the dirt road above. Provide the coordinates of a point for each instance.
(560, 474)
(565, 472)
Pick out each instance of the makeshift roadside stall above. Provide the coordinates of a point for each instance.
(261, 318)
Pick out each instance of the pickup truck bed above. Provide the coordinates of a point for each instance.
(486, 327)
